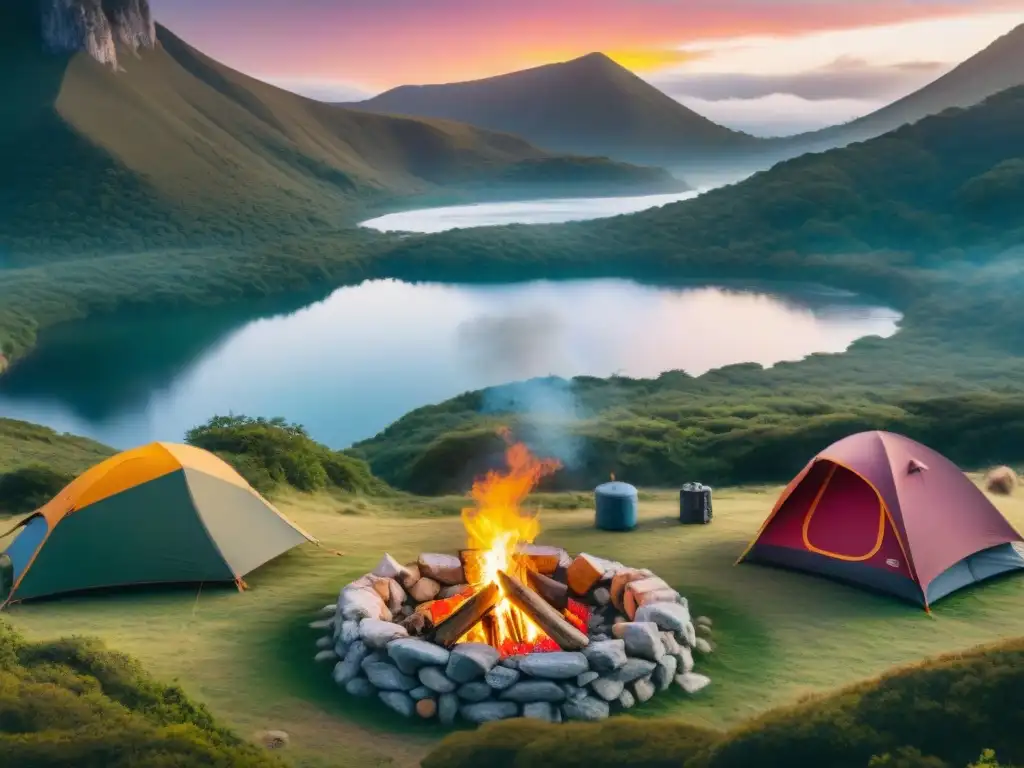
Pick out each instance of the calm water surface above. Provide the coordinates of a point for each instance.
(351, 364)
(551, 211)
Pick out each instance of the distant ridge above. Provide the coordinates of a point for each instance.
(111, 145)
(995, 68)
(589, 105)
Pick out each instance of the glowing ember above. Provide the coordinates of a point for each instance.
(495, 527)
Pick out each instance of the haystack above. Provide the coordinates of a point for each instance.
(1001, 480)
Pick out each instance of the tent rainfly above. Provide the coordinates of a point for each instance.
(159, 514)
(883, 512)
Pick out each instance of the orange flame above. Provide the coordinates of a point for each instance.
(497, 525)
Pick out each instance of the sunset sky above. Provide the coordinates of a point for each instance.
(768, 66)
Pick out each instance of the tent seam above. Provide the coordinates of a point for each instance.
(906, 549)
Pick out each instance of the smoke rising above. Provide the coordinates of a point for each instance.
(525, 348)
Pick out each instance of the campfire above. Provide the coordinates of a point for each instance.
(509, 627)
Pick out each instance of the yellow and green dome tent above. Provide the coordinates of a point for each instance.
(159, 514)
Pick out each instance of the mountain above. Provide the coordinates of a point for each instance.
(117, 135)
(589, 105)
(993, 69)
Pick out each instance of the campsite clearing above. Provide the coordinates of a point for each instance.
(779, 634)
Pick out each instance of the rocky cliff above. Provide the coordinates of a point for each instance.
(97, 26)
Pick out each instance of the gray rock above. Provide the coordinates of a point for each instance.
(643, 689)
(488, 711)
(626, 699)
(349, 631)
(668, 616)
(326, 624)
(560, 665)
(475, 691)
(375, 657)
(325, 643)
(401, 703)
(512, 662)
(533, 690)
(672, 646)
(421, 692)
(469, 661)
(642, 639)
(573, 691)
(609, 690)
(361, 687)
(349, 668)
(703, 631)
(388, 568)
(606, 655)
(703, 620)
(702, 646)
(540, 710)
(435, 679)
(410, 654)
(558, 713)
(692, 683)
(377, 633)
(685, 657)
(632, 669)
(586, 678)
(602, 596)
(447, 708)
(665, 672)
(587, 708)
(600, 637)
(325, 656)
(332, 608)
(500, 678)
(387, 677)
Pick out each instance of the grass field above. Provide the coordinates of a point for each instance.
(780, 635)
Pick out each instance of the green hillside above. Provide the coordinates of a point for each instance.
(175, 149)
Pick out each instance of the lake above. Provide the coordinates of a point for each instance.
(349, 365)
(553, 211)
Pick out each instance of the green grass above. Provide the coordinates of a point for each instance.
(780, 635)
(23, 444)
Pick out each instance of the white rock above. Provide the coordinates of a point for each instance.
(602, 596)
(665, 672)
(643, 689)
(446, 569)
(330, 609)
(377, 634)
(691, 682)
(609, 690)
(424, 590)
(363, 603)
(322, 624)
(702, 646)
(703, 620)
(388, 567)
(325, 643)
(688, 636)
(685, 657)
(325, 656)
(396, 597)
(626, 699)
(672, 617)
(409, 576)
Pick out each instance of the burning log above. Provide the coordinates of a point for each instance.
(466, 616)
(473, 564)
(554, 592)
(544, 616)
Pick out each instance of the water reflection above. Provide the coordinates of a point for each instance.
(348, 365)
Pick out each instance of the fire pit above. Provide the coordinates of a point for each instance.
(509, 628)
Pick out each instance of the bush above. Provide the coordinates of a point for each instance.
(270, 453)
(74, 703)
(25, 489)
(937, 714)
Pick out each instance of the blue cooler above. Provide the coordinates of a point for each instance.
(616, 506)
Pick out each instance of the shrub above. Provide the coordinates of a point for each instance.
(1001, 480)
(934, 715)
(74, 703)
(270, 453)
(27, 488)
